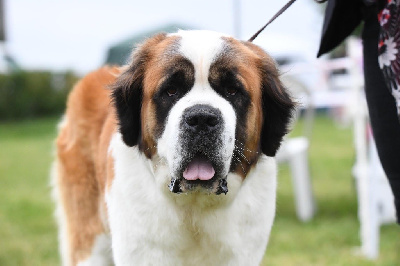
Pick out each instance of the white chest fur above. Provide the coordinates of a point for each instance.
(152, 226)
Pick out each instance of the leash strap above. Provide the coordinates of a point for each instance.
(283, 9)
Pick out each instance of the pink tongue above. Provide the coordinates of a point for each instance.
(199, 168)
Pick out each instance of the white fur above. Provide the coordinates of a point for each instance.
(152, 226)
(60, 213)
(61, 218)
(200, 47)
(101, 254)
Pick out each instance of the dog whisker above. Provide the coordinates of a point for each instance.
(154, 146)
(244, 157)
(244, 148)
(240, 162)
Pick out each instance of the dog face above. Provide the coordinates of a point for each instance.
(205, 104)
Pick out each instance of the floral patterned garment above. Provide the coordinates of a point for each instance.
(389, 47)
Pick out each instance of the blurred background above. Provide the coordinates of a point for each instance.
(334, 206)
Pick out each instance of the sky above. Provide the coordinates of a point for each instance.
(61, 35)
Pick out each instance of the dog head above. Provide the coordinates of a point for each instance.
(205, 104)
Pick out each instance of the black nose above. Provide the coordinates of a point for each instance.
(202, 117)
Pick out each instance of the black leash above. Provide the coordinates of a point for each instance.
(283, 9)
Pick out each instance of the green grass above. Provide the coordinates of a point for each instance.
(332, 237)
(28, 233)
(27, 227)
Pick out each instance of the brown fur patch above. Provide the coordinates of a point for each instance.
(80, 180)
(163, 55)
(135, 88)
(258, 72)
(238, 57)
(278, 105)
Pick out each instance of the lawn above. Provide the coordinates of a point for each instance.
(28, 232)
(27, 227)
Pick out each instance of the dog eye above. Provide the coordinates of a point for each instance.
(172, 91)
(232, 91)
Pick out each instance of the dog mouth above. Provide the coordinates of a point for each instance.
(199, 174)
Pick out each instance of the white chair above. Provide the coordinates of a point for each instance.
(294, 151)
(375, 198)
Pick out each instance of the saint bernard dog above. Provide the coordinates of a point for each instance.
(170, 159)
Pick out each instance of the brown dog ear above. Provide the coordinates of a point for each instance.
(277, 104)
(127, 92)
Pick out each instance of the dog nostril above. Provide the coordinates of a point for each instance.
(212, 121)
(192, 121)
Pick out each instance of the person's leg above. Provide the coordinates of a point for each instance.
(382, 110)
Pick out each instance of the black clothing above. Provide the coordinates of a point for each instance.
(342, 16)
(382, 110)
